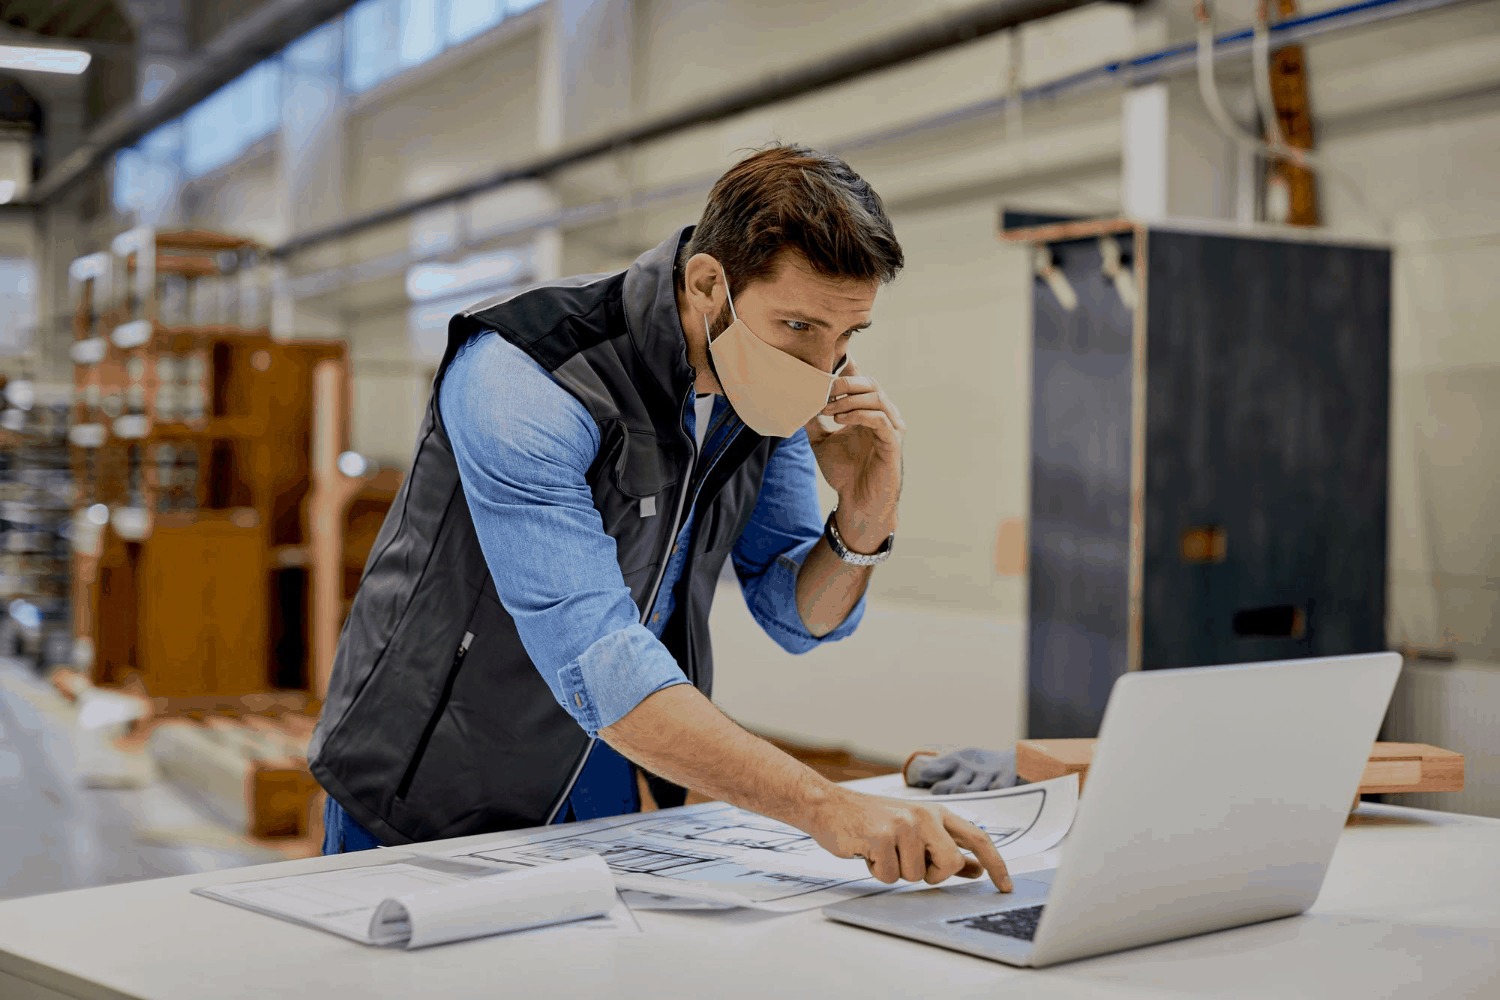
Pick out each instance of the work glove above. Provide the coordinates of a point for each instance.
(971, 769)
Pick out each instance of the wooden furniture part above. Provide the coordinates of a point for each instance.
(328, 504)
(1209, 450)
(362, 522)
(1294, 116)
(193, 459)
(1393, 767)
(203, 607)
(189, 278)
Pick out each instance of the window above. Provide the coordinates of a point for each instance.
(145, 176)
(370, 43)
(438, 290)
(467, 18)
(384, 37)
(315, 50)
(381, 38)
(222, 127)
(481, 271)
(420, 37)
(17, 303)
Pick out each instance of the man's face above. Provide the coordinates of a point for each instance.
(809, 316)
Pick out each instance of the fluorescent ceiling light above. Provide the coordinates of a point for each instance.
(7, 191)
(43, 59)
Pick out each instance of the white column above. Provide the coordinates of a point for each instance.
(1175, 160)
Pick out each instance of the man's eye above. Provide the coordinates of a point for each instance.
(798, 325)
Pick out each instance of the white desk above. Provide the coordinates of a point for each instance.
(1411, 908)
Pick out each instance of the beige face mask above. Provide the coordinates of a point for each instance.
(771, 391)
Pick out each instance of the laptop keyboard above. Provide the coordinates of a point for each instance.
(1018, 923)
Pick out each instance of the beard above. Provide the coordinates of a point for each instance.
(722, 322)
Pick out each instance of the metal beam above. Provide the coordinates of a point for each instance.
(23, 13)
(29, 13)
(80, 15)
(53, 14)
(261, 33)
(13, 35)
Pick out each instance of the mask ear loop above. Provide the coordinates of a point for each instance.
(707, 333)
(727, 294)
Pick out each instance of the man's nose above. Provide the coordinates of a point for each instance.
(828, 361)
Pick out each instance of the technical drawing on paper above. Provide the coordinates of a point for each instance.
(722, 852)
(714, 851)
(762, 835)
(622, 856)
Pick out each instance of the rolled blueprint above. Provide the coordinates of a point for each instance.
(496, 904)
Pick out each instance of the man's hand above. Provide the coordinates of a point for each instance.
(862, 459)
(905, 840)
(677, 733)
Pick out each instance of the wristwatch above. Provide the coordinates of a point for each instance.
(831, 532)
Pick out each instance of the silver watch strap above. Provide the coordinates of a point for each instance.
(831, 532)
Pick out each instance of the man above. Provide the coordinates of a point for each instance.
(533, 620)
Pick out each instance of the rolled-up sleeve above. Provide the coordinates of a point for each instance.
(785, 526)
(523, 445)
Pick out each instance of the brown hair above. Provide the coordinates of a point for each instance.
(789, 197)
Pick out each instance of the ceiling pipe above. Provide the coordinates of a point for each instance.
(258, 35)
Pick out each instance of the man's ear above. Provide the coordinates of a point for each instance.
(703, 279)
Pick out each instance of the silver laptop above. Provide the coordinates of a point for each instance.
(1214, 799)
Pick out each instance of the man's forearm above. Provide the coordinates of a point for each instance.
(827, 587)
(678, 734)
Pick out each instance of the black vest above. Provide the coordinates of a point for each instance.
(421, 739)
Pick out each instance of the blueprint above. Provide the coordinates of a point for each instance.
(439, 899)
(718, 853)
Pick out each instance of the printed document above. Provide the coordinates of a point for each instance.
(717, 853)
(422, 901)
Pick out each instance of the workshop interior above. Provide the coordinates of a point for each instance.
(1194, 344)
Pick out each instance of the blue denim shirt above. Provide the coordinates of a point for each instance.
(523, 445)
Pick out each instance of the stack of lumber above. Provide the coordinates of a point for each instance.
(250, 772)
(1392, 768)
(244, 759)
